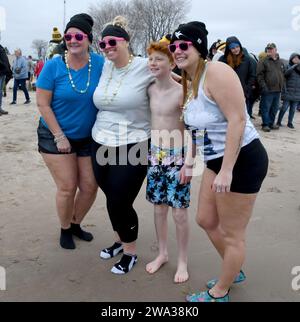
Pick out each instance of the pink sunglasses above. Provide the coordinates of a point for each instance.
(78, 36)
(112, 42)
(183, 46)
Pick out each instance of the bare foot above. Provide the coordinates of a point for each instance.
(154, 266)
(182, 274)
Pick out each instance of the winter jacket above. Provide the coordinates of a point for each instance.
(291, 89)
(246, 70)
(38, 68)
(20, 68)
(270, 74)
(5, 69)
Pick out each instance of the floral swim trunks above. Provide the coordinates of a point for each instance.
(163, 184)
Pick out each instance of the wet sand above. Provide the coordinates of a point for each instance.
(38, 269)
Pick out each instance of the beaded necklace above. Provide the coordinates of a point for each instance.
(115, 92)
(190, 97)
(71, 78)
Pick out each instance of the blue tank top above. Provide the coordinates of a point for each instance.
(208, 125)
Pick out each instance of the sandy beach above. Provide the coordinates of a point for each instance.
(37, 269)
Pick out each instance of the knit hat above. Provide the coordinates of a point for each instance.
(84, 22)
(166, 39)
(56, 35)
(194, 31)
(221, 45)
(233, 45)
(115, 31)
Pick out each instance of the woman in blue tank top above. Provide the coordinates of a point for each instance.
(236, 161)
(65, 91)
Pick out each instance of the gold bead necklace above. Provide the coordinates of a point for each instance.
(190, 97)
(115, 92)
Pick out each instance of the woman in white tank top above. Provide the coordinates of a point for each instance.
(236, 161)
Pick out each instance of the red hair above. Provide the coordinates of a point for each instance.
(161, 47)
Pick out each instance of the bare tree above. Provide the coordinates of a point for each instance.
(103, 13)
(149, 20)
(157, 18)
(40, 47)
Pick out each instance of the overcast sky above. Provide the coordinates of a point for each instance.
(254, 22)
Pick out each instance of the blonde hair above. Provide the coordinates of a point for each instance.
(119, 21)
(195, 81)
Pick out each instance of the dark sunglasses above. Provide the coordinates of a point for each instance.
(78, 36)
(183, 46)
(112, 42)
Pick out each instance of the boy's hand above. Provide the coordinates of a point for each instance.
(186, 174)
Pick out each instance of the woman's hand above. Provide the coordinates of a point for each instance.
(64, 146)
(186, 174)
(222, 183)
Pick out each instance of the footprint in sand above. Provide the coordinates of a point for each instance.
(274, 189)
(154, 247)
(272, 175)
(12, 147)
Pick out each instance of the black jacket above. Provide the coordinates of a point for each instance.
(270, 74)
(246, 70)
(5, 69)
(291, 89)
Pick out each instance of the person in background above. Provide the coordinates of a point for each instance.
(38, 68)
(270, 77)
(291, 90)
(20, 73)
(220, 50)
(56, 45)
(5, 75)
(30, 72)
(238, 58)
(213, 50)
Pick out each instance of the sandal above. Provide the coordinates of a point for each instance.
(239, 279)
(205, 297)
(124, 265)
(112, 251)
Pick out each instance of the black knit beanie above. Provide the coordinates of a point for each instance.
(115, 31)
(84, 22)
(194, 31)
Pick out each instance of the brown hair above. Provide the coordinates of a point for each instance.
(234, 60)
(161, 47)
(195, 81)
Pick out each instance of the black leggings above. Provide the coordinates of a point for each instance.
(121, 185)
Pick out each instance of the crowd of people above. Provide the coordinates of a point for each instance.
(25, 70)
(113, 120)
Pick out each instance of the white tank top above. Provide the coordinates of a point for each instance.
(208, 125)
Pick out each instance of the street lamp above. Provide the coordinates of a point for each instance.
(64, 24)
